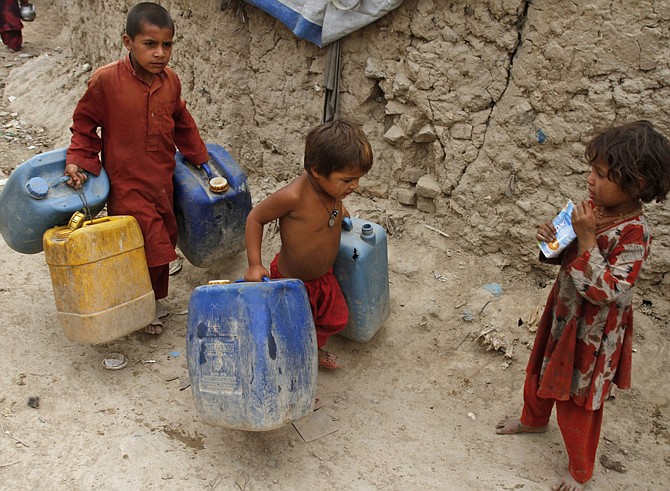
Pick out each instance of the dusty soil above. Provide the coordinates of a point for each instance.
(415, 407)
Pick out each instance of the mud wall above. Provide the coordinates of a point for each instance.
(477, 111)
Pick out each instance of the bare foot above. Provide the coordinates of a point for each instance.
(156, 327)
(568, 483)
(510, 426)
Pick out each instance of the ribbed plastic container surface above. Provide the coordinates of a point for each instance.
(361, 269)
(100, 279)
(210, 224)
(252, 353)
(36, 198)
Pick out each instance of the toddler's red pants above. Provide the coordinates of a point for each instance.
(580, 427)
(327, 301)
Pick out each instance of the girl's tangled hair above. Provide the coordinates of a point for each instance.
(638, 158)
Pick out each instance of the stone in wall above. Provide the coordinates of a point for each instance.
(412, 174)
(428, 187)
(426, 205)
(406, 196)
(426, 134)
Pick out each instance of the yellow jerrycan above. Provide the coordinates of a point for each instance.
(100, 278)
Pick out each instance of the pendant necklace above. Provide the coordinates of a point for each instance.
(334, 213)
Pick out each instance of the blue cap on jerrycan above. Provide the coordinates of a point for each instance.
(37, 187)
(35, 199)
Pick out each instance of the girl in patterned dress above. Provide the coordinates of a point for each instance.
(584, 340)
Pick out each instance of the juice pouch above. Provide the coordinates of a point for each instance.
(564, 233)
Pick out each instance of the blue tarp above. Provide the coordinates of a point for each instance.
(325, 21)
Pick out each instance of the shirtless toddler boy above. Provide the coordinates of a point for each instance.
(310, 212)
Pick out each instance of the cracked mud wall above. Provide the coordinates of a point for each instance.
(477, 111)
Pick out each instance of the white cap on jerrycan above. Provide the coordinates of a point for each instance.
(218, 184)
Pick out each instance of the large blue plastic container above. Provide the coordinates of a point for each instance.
(36, 198)
(252, 353)
(361, 268)
(210, 224)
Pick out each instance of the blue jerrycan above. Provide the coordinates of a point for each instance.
(211, 205)
(361, 269)
(251, 353)
(36, 198)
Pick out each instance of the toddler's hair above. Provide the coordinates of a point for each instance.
(638, 157)
(335, 146)
(150, 13)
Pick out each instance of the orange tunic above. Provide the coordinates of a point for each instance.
(141, 127)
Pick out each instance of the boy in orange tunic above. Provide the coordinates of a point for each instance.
(310, 212)
(137, 104)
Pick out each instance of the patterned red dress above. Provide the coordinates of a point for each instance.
(584, 339)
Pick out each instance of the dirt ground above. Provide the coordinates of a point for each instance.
(415, 408)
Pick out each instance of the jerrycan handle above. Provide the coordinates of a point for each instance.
(265, 279)
(347, 224)
(58, 181)
(97, 220)
(205, 166)
(79, 191)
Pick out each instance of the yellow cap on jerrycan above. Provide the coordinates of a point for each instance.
(100, 278)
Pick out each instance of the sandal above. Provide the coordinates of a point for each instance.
(330, 360)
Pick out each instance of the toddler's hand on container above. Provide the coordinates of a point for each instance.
(256, 273)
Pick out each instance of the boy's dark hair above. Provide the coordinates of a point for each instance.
(149, 13)
(638, 157)
(337, 145)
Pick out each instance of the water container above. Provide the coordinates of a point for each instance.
(361, 268)
(35, 199)
(100, 278)
(252, 353)
(211, 204)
